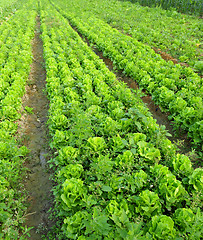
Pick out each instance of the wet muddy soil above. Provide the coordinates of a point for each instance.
(33, 130)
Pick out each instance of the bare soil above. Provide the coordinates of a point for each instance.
(33, 130)
(168, 57)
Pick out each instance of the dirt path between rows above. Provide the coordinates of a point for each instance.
(33, 129)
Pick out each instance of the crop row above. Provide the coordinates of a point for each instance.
(15, 60)
(174, 33)
(7, 8)
(184, 6)
(110, 173)
(175, 88)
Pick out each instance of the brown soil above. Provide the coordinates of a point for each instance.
(168, 57)
(33, 129)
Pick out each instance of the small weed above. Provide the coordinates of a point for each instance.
(41, 228)
(29, 110)
(25, 231)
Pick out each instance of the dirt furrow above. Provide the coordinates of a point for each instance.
(33, 129)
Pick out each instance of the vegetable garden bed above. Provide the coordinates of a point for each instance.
(116, 174)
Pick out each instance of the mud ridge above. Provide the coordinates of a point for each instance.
(34, 132)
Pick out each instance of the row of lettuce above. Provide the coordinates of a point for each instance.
(15, 60)
(7, 8)
(117, 175)
(174, 33)
(183, 6)
(176, 89)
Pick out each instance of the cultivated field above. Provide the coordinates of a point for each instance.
(101, 121)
